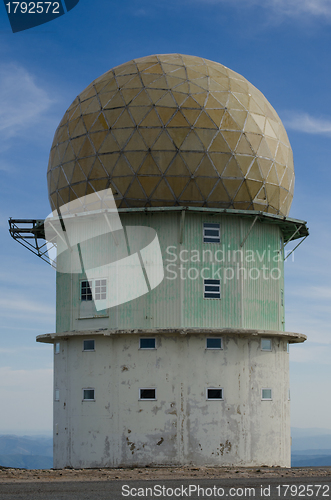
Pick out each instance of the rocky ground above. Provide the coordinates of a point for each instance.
(159, 473)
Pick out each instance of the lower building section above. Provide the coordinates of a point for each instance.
(202, 397)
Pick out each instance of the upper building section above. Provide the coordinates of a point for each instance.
(169, 130)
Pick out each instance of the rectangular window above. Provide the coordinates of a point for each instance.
(100, 289)
(282, 298)
(211, 233)
(214, 393)
(88, 395)
(88, 345)
(57, 348)
(147, 393)
(86, 290)
(289, 395)
(93, 288)
(212, 289)
(56, 395)
(266, 394)
(213, 343)
(265, 344)
(287, 347)
(147, 343)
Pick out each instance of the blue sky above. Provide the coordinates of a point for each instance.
(281, 46)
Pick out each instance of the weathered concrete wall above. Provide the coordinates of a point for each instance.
(181, 427)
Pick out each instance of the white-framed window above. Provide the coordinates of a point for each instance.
(214, 343)
(93, 288)
(214, 393)
(88, 394)
(211, 233)
(266, 394)
(89, 345)
(147, 393)
(266, 345)
(100, 289)
(147, 343)
(57, 348)
(211, 289)
(86, 290)
(56, 395)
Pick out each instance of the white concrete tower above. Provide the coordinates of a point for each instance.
(188, 364)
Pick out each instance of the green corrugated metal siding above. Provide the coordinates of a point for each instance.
(261, 298)
(244, 303)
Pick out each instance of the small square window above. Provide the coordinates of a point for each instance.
(211, 233)
(267, 394)
(214, 393)
(213, 343)
(147, 343)
(57, 348)
(265, 344)
(88, 395)
(86, 290)
(88, 345)
(212, 289)
(147, 393)
(56, 395)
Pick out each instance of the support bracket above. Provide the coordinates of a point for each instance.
(295, 247)
(181, 227)
(30, 233)
(248, 232)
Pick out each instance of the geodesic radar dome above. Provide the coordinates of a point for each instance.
(172, 130)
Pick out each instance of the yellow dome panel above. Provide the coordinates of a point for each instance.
(173, 130)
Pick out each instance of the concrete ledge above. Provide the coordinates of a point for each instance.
(291, 337)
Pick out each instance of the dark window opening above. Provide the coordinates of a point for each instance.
(88, 394)
(211, 233)
(214, 343)
(147, 343)
(214, 393)
(212, 289)
(147, 393)
(86, 290)
(89, 345)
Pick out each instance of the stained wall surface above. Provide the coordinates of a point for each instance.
(169, 130)
(181, 426)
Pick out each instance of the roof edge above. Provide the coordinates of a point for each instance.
(292, 337)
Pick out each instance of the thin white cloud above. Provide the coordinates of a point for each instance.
(309, 352)
(17, 302)
(303, 122)
(286, 8)
(5, 167)
(22, 100)
(319, 293)
(294, 8)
